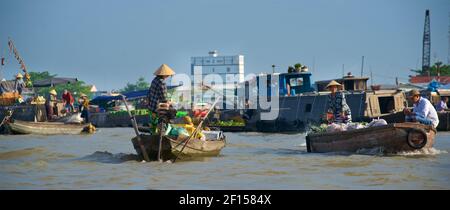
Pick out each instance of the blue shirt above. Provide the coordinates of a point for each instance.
(441, 106)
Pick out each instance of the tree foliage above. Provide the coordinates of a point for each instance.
(444, 70)
(140, 84)
(75, 88)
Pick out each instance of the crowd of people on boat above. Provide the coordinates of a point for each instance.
(68, 101)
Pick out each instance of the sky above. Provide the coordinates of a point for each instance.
(111, 42)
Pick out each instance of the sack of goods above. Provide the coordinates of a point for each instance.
(339, 127)
(378, 122)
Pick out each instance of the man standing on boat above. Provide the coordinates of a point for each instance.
(84, 107)
(337, 105)
(423, 111)
(158, 90)
(68, 100)
(50, 104)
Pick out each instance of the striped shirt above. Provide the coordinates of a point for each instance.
(157, 93)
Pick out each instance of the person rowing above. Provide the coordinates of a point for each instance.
(158, 92)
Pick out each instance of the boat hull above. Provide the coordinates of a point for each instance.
(390, 138)
(45, 128)
(171, 147)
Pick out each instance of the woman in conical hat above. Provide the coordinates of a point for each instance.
(50, 104)
(19, 84)
(338, 109)
(158, 89)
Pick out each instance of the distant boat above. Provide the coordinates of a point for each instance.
(303, 105)
(391, 138)
(45, 128)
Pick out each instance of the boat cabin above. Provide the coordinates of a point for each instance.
(290, 84)
(349, 83)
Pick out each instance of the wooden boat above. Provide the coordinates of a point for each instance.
(391, 138)
(171, 147)
(444, 121)
(45, 128)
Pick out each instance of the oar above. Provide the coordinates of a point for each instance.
(8, 115)
(161, 135)
(6, 118)
(196, 129)
(138, 136)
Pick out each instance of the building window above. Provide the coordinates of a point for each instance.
(213, 69)
(228, 69)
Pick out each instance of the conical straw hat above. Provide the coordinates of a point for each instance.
(333, 83)
(53, 92)
(164, 70)
(19, 75)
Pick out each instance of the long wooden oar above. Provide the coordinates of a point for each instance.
(162, 131)
(6, 118)
(196, 129)
(136, 130)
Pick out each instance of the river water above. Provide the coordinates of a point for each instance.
(249, 161)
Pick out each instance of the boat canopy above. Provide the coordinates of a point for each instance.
(133, 95)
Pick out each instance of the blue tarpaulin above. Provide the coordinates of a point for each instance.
(434, 85)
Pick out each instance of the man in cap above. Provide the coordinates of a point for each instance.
(422, 112)
(337, 105)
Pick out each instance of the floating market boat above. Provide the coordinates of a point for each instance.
(45, 128)
(171, 147)
(390, 138)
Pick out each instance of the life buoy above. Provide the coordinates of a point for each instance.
(412, 138)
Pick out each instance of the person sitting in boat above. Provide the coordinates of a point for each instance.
(68, 100)
(19, 84)
(84, 107)
(50, 104)
(158, 90)
(338, 109)
(442, 105)
(423, 111)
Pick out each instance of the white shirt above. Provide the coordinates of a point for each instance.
(425, 109)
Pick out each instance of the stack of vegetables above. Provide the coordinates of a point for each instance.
(228, 123)
(137, 112)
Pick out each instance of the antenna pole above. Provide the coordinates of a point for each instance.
(362, 66)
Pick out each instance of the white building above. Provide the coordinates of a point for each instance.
(228, 67)
(223, 73)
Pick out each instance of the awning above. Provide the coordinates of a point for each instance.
(129, 96)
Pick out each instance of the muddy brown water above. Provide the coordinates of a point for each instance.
(105, 160)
